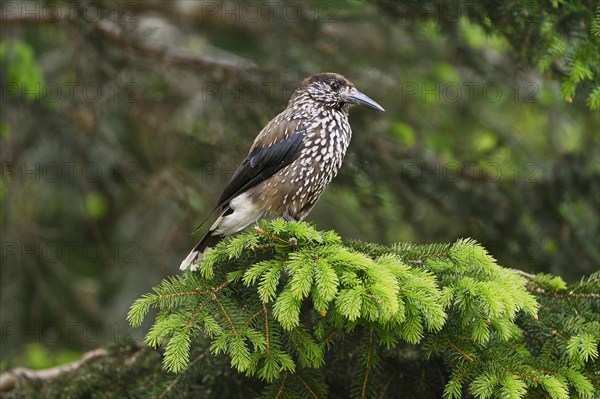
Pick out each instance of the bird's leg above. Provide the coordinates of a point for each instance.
(288, 218)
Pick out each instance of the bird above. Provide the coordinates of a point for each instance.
(291, 161)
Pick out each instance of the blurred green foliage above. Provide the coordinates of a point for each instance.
(22, 70)
(562, 37)
(37, 356)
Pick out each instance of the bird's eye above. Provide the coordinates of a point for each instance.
(335, 85)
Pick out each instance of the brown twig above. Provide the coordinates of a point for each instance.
(225, 313)
(540, 291)
(186, 293)
(465, 355)
(369, 354)
(262, 232)
(308, 388)
(528, 276)
(267, 327)
(281, 386)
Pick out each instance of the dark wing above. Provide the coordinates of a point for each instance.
(262, 163)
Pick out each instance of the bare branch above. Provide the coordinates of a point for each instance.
(528, 276)
(228, 62)
(9, 378)
(111, 31)
(540, 291)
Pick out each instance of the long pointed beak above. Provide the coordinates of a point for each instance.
(362, 99)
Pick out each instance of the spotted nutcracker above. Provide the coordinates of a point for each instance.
(291, 161)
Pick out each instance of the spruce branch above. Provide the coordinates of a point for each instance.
(281, 311)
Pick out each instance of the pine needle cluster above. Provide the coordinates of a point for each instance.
(284, 301)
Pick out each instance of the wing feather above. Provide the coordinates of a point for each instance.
(262, 163)
(265, 158)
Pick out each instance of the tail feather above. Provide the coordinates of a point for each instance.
(207, 241)
(235, 216)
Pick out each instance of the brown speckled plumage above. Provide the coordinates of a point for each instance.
(291, 161)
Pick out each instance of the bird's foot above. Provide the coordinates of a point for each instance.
(293, 240)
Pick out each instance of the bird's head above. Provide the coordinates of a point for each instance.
(334, 91)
